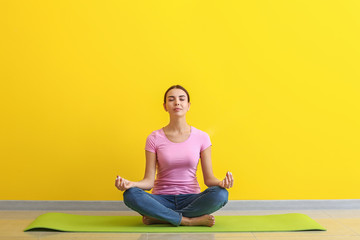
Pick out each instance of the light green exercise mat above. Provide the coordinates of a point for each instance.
(83, 223)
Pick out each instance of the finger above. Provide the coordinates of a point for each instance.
(229, 176)
(117, 182)
(232, 180)
(226, 182)
(125, 182)
(121, 183)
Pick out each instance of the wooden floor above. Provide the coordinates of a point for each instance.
(341, 224)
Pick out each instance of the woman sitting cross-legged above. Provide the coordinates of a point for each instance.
(174, 152)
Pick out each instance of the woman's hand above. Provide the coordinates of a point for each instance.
(228, 181)
(122, 184)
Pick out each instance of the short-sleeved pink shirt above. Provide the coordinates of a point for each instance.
(177, 162)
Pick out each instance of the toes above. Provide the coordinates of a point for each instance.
(212, 221)
(145, 220)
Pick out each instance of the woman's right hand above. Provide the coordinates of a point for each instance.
(122, 184)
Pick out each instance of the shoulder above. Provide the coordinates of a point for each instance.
(203, 139)
(200, 132)
(202, 136)
(152, 141)
(157, 135)
(154, 134)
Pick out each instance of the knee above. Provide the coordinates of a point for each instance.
(221, 194)
(131, 194)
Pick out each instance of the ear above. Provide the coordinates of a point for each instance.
(165, 107)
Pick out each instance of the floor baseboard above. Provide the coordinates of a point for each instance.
(232, 205)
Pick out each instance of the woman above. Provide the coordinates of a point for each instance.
(175, 150)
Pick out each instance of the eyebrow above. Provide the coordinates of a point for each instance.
(179, 96)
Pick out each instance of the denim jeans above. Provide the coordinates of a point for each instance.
(171, 208)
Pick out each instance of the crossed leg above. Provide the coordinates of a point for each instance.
(194, 212)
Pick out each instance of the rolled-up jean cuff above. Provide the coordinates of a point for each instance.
(180, 220)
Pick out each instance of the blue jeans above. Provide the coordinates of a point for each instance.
(171, 208)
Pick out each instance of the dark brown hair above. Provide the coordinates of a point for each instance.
(177, 86)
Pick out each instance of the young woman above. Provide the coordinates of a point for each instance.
(174, 151)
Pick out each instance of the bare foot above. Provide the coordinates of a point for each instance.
(149, 220)
(205, 220)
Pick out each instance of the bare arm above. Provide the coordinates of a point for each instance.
(209, 178)
(148, 181)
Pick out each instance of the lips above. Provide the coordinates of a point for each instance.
(177, 109)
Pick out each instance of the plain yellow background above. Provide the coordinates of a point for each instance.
(274, 83)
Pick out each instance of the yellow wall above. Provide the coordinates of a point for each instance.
(274, 83)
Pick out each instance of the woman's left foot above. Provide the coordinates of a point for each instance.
(149, 220)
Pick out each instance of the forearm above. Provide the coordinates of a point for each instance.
(144, 184)
(213, 181)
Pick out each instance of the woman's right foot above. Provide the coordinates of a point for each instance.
(205, 220)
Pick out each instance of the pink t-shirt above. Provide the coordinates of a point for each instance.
(177, 162)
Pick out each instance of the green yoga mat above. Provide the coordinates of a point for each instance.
(83, 223)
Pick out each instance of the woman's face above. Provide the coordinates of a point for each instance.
(176, 102)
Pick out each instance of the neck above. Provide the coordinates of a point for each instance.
(178, 125)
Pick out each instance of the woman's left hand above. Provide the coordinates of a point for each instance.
(228, 181)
